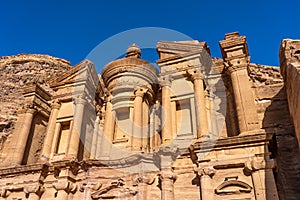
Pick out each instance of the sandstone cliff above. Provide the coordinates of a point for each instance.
(16, 72)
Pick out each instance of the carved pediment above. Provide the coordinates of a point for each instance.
(117, 189)
(83, 71)
(233, 186)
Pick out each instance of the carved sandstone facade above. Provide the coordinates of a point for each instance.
(197, 128)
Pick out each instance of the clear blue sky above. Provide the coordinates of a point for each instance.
(71, 29)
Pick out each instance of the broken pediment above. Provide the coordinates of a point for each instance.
(82, 72)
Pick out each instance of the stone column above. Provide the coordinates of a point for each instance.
(207, 190)
(167, 154)
(108, 130)
(167, 178)
(95, 137)
(165, 83)
(142, 183)
(174, 119)
(21, 140)
(262, 178)
(46, 151)
(238, 101)
(56, 139)
(77, 127)
(34, 192)
(202, 124)
(244, 100)
(136, 141)
(63, 189)
(145, 128)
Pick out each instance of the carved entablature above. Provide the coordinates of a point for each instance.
(258, 163)
(70, 167)
(116, 189)
(234, 50)
(36, 98)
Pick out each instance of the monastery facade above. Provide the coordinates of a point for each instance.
(196, 128)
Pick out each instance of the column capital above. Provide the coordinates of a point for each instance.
(108, 98)
(165, 81)
(230, 68)
(36, 188)
(255, 164)
(205, 171)
(140, 92)
(195, 74)
(167, 175)
(29, 108)
(166, 155)
(65, 185)
(55, 104)
(80, 99)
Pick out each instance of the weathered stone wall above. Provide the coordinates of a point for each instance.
(16, 72)
(287, 140)
(274, 117)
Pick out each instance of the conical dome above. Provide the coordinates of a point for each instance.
(133, 51)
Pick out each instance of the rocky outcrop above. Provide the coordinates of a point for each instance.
(16, 72)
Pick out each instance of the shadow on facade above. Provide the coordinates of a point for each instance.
(284, 147)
